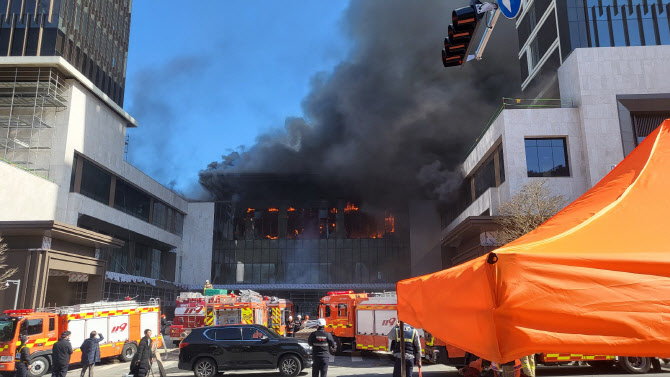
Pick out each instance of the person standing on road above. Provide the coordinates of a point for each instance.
(60, 354)
(412, 349)
(90, 353)
(321, 342)
(290, 327)
(528, 365)
(141, 363)
(21, 364)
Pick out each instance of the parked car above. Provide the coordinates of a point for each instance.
(211, 350)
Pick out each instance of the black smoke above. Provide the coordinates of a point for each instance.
(390, 122)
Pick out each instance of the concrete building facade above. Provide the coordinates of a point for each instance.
(64, 164)
(611, 98)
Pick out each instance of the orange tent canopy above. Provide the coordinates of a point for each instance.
(594, 279)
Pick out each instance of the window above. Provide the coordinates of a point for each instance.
(52, 324)
(131, 201)
(252, 333)
(485, 176)
(142, 254)
(328, 313)
(159, 215)
(32, 327)
(179, 224)
(645, 123)
(232, 333)
(95, 182)
(547, 158)
(156, 264)
(342, 310)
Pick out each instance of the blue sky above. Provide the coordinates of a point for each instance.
(206, 78)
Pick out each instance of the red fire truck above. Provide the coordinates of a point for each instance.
(189, 314)
(278, 312)
(196, 310)
(121, 323)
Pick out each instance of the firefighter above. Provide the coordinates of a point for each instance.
(528, 365)
(321, 342)
(299, 323)
(208, 285)
(412, 349)
(290, 327)
(21, 365)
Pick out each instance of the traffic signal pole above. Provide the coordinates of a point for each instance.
(490, 24)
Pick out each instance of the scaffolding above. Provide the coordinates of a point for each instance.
(30, 100)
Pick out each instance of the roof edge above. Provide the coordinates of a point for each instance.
(71, 72)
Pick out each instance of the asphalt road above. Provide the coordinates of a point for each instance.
(368, 366)
(373, 365)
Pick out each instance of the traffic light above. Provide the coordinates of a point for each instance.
(464, 23)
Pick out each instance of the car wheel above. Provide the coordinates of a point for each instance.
(128, 351)
(289, 366)
(38, 366)
(204, 367)
(635, 365)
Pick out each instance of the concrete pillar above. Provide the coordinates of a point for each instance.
(282, 222)
(339, 220)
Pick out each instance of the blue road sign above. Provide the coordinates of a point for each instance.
(510, 8)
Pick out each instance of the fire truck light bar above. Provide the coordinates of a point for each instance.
(340, 293)
(20, 311)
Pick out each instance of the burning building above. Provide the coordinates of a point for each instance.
(289, 236)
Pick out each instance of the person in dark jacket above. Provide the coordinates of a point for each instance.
(90, 353)
(21, 364)
(140, 365)
(61, 353)
(321, 342)
(290, 327)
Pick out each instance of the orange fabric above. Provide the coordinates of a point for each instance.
(594, 279)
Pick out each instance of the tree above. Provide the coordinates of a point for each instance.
(5, 273)
(526, 210)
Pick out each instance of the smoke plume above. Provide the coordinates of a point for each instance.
(390, 122)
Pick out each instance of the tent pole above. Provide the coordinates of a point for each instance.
(403, 362)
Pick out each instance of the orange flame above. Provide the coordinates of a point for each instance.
(333, 210)
(273, 210)
(389, 224)
(249, 210)
(290, 209)
(350, 207)
(271, 237)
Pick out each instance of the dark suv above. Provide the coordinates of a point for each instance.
(209, 350)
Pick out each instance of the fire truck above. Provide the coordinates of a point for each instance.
(121, 323)
(361, 321)
(278, 312)
(439, 352)
(189, 314)
(197, 311)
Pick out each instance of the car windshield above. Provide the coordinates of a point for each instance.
(272, 333)
(7, 329)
